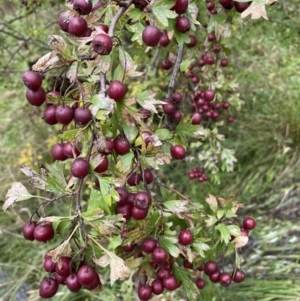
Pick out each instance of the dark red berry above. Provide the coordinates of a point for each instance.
(159, 255)
(157, 287)
(185, 237)
(77, 26)
(82, 116)
(28, 230)
(103, 166)
(37, 97)
(138, 213)
(183, 24)
(181, 6)
(116, 90)
(32, 80)
(145, 292)
(83, 7)
(148, 245)
(43, 232)
(86, 275)
(170, 283)
(249, 223)
(48, 288)
(210, 267)
(64, 114)
(122, 145)
(239, 276)
(49, 115)
(151, 35)
(225, 279)
(178, 152)
(200, 283)
(72, 283)
(80, 168)
(102, 44)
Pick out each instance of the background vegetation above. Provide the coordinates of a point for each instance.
(264, 58)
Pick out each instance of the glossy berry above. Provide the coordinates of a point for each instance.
(187, 264)
(72, 283)
(109, 147)
(241, 6)
(131, 198)
(64, 114)
(200, 283)
(32, 80)
(185, 237)
(210, 267)
(134, 179)
(64, 267)
(215, 277)
(210, 6)
(28, 230)
(164, 40)
(143, 200)
(225, 279)
(123, 194)
(43, 232)
(58, 152)
(193, 41)
(37, 97)
(163, 273)
(217, 49)
(80, 168)
(77, 26)
(183, 24)
(86, 275)
(94, 284)
(60, 279)
(147, 176)
(102, 44)
(122, 145)
(226, 105)
(169, 108)
(178, 152)
(70, 150)
(159, 255)
(49, 265)
(181, 6)
(124, 209)
(148, 245)
(196, 118)
(166, 64)
(49, 115)
(145, 292)
(224, 63)
(103, 166)
(82, 116)
(230, 119)
(138, 213)
(83, 7)
(209, 95)
(157, 287)
(249, 223)
(151, 35)
(177, 97)
(48, 288)
(63, 21)
(211, 37)
(170, 283)
(176, 115)
(239, 276)
(116, 90)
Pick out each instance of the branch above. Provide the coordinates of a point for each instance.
(172, 83)
(117, 16)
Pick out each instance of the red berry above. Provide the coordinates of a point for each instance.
(116, 90)
(159, 255)
(170, 283)
(102, 44)
(28, 230)
(210, 267)
(178, 152)
(43, 232)
(80, 168)
(77, 26)
(185, 237)
(157, 287)
(122, 145)
(32, 80)
(151, 35)
(48, 288)
(249, 223)
(37, 97)
(200, 283)
(145, 292)
(148, 245)
(239, 276)
(225, 279)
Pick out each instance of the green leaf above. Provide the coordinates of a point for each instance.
(184, 66)
(134, 14)
(69, 135)
(200, 247)
(188, 285)
(186, 129)
(130, 132)
(56, 181)
(211, 24)
(96, 201)
(220, 18)
(234, 230)
(163, 134)
(181, 38)
(92, 214)
(169, 244)
(137, 30)
(225, 233)
(124, 162)
(161, 11)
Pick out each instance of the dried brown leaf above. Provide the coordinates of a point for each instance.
(240, 241)
(58, 43)
(38, 180)
(211, 201)
(256, 10)
(47, 61)
(63, 249)
(16, 193)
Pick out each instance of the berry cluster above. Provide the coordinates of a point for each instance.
(118, 141)
(198, 173)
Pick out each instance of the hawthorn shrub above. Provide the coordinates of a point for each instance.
(138, 86)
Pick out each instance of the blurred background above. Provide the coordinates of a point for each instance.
(264, 57)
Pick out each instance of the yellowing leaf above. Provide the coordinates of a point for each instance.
(118, 268)
(240, 241)
(63, 249)
(38, 180)
(147, 100)
(16, 193)
(256, 10)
